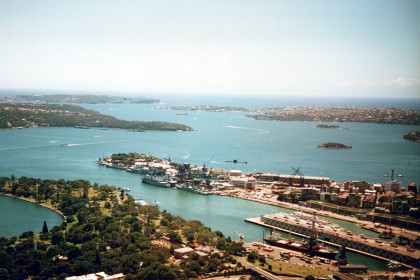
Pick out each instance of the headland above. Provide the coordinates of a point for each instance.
(60, 115)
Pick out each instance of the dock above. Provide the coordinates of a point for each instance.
(336, 236)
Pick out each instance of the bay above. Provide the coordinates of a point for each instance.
(18, 216)
(267, 146)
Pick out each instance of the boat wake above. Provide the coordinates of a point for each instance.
(247, 128)
(92, 143)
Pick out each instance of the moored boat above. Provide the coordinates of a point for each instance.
(155, 181)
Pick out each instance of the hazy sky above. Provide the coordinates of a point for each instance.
(351, 48)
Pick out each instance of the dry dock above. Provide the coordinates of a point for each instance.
(335, 235)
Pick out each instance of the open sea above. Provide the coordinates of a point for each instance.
(266, 146)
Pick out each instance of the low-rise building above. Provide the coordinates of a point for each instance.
(393, 186)
(355, 268)
(183, 252)
(97, 276)
(242, 182)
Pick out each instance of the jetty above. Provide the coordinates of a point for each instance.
(338, 236)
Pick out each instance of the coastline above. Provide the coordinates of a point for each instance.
(40, 204)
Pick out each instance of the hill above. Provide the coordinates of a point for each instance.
(60, 115)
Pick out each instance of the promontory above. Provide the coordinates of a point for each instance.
(60, 115)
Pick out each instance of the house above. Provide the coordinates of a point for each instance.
(183, 252)
(97, 276)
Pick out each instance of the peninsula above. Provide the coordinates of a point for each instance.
(207, 108)
(77, 99)
(60, 115)
(340, 114)
(107, 232)
(317, 114)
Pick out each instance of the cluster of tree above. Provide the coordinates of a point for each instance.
(130, 158)
(105, 233)
(59, 115)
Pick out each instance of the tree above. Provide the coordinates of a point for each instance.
(4, 274)
(174, 237)
(44, 228)
(190, 237)
(252, 257)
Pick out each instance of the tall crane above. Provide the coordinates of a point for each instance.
(298, 173)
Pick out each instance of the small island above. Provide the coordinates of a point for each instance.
(412, 136)
(61, 115)
(332, 145)
(327, 126)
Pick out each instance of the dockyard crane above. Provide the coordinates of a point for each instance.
(296, 173)
(241, 236)
(205, 169)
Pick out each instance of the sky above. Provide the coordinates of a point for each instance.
(218, 47)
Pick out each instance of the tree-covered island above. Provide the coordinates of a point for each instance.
(333, 126)
(106, 230)
(412, 136)
(332, 145)
(60, 115)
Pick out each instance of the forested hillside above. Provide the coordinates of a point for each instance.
(59, 115)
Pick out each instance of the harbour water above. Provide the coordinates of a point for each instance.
(267, 146)
(18, 216)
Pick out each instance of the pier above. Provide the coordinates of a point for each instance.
(337, 236)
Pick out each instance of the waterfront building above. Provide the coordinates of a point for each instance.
(412, 187)
(235, 173)
(292, 179)
(393, 186)
(378, 187)
(357, 186)
(355, 269)
(242, 182)
(310, 193)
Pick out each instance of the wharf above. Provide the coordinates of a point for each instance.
(334, 235)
